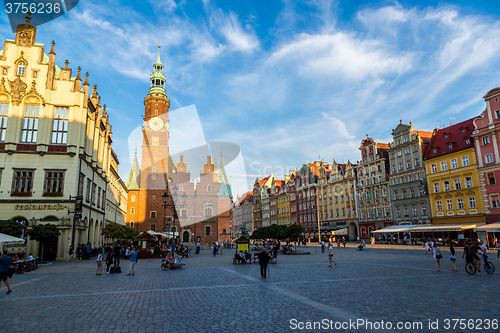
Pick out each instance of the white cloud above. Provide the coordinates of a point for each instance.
(341, 54)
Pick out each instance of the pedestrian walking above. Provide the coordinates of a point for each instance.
(437, 254)
(263, 262)
(89, 251)
(275, 254)
(133, 262)
(79, 253)
(330, 255)
(426, 245)
(71, 254)
(343, 241)
(99, 264)
(214, 249)
(116, 255)
(109, 261)
(364, 245)
(497, 246)
(4, 270)
(322, 246)
(453, 256)
(198, 246)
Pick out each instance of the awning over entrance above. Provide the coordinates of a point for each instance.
(339, 232)
(396, 228)
(444, 227)
(493, 227)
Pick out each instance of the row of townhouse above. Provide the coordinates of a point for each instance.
(447, 177)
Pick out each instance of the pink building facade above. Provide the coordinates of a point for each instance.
(486, 141)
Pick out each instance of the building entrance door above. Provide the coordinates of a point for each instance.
(185, 237)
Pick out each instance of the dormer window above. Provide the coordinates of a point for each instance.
(434, 150)
(467, 141)
(450, 146)
(21, 67)
(446, 136)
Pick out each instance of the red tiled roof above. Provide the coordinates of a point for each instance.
(382, 145)
(263, 181)
(279, 182)
(454, 135)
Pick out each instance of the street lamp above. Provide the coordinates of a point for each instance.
(170, 205)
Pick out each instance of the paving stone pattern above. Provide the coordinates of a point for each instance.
(213, 295)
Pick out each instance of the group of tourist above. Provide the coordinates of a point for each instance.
(79, 253)
(470, 253)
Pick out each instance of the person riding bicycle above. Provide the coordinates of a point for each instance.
(473, 249)
(484, 248)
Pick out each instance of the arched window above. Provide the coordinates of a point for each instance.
(131, 224)
(132, 198)
(21, 67)
(209, 188)
(132, 210)
(208, 212)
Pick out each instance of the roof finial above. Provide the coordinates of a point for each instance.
(86, 83)
(52, 51)
(66, 63)
(28, 17)
(79, 76)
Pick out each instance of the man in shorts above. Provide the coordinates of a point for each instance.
(473, 249)
(4, 270)
(330, 255)
(133, 261)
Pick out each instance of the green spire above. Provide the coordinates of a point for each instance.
(133, 177)
(225, 188)
(157, 78)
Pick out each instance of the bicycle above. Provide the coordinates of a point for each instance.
(471, 267)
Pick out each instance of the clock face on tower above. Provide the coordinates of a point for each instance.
(156, 124)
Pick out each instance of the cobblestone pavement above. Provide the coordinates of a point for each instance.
(213, 295)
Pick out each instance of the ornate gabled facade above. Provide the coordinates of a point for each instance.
(486, 136)
(453, 177)
(57, 145)
(337, 201)
(202, 206)
(408, 182)
(374, 206)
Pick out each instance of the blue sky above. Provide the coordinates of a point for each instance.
(290, 82)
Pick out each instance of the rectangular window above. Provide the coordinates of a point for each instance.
(434, 168)
(465, 161)
(398, 212)
(424, 210)
(439, 206)
(495, 202)
(412, 193)
(449, 204)
(30, 123)
(468, 182)
(87, 192)
(404, 194)
(421, 191)
(406, 211)
(460, 203)
(99, 197)
(4, 116)
(379, 212)
(152, 227)
(491, 178)
(387, 213)
(444, 166)
(81, 184)
(94, 188)
(454, 163)
(208, 230)
(60, 127)
(458, 185)
(446, 185)
(488, 158)
(486, 140)
(54, 183)
(417, 162)
(384, 193)
(472, 202)
(152, 214)
(103, 199)
(22, 183)
(436, 188)
(415, 213)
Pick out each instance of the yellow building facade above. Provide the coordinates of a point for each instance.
(283, 207)
(55, 144)
(453, 178)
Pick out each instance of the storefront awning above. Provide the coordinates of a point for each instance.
(493, 227)
(444, 227)
(396, 228)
